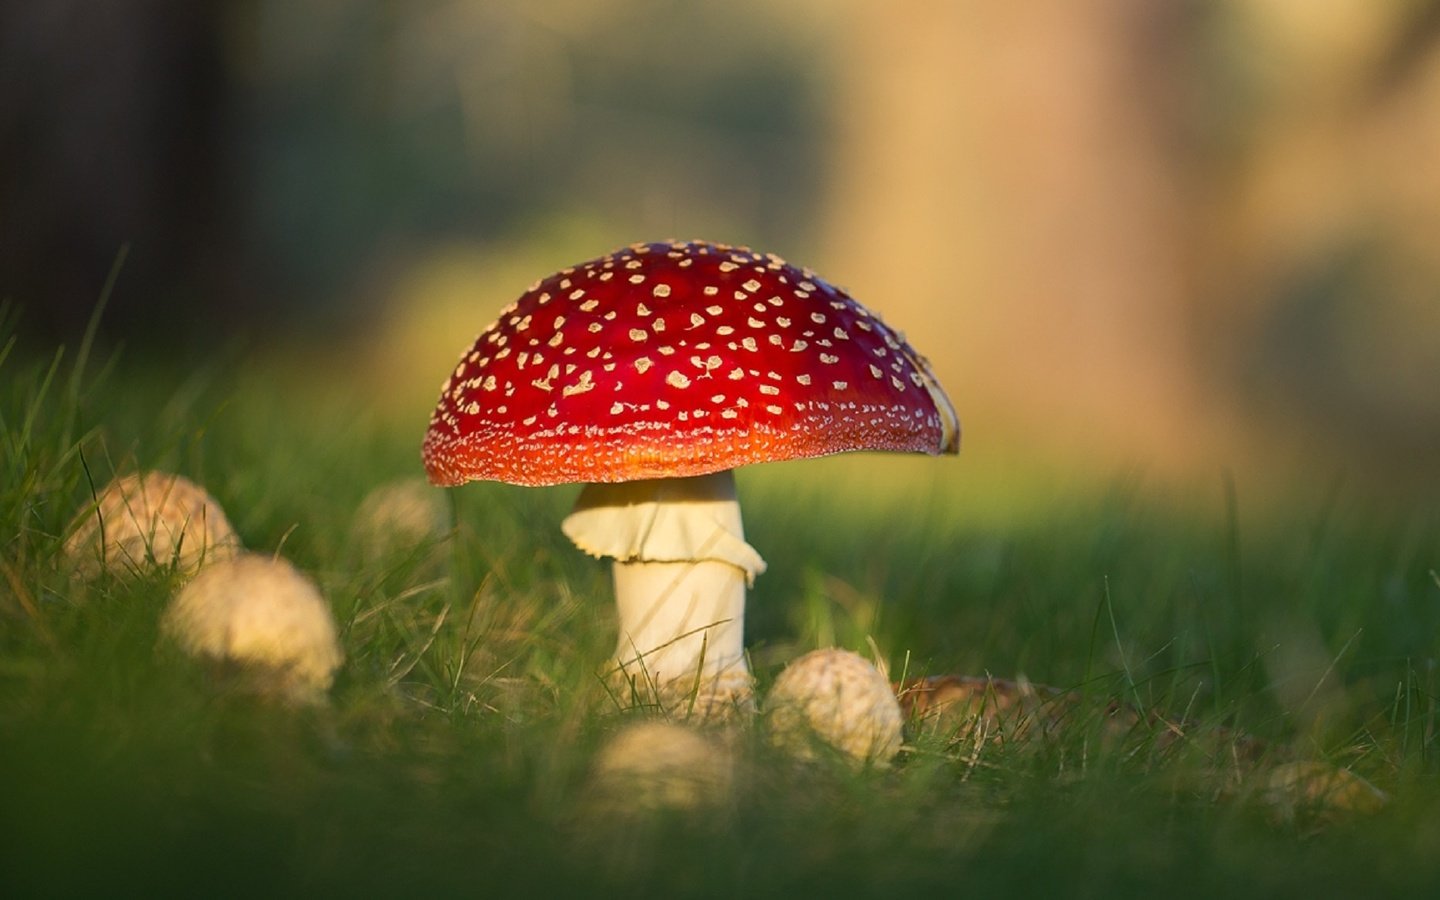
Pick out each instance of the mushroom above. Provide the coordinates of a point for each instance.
(649, 374)
(652, 766)
(834, 697)
(258, 616)
(398, 515)
(151, 519)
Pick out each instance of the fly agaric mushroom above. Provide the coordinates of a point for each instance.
(649, 374)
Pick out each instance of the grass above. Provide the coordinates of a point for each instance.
(456, 753)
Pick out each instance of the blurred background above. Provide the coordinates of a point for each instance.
(1185, 237)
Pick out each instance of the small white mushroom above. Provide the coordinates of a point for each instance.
(398, 515)
(262, 617)
(834, 697)
(156, 519)
(651, 767)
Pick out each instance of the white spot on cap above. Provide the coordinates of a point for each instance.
(677, 379)
(828, 359)
(642, 310)
(803, 379)
(773, 410)
(751, 285)
(840, 385)
(696, 320)
(642, 364)
(728, 266)
(589, 305)
(750, 344)
(584, 384)
(875, 370)
(638, 334)
(770, 389)
(661, 290)
(637, 278)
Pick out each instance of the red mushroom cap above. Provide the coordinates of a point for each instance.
(677, 359)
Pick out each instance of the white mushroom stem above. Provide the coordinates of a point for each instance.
(681, 570)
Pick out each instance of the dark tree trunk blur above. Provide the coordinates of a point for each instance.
(113, 132)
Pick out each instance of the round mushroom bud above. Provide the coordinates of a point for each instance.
(155, 519)
(649, 374)
(650, 767)
(834, 697)
(259, 617)
(398, 516)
